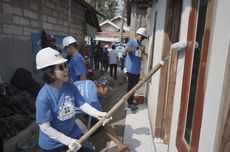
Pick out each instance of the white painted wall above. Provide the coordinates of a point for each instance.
(150, 49)
(154, 86)
(108, 27)
(180, 70)
(118, 23)
(218, 49)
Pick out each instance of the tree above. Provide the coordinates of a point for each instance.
(107, 7)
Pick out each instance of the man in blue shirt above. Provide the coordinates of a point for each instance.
(76, 63)
(134, 48)
(90, 91)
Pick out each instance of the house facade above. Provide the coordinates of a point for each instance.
(110, 31)
(188, 98)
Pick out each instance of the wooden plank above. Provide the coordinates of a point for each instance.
(172, 71)
(163, 74)
(198, 108)
(181, 144)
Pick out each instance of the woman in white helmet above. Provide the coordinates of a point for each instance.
(76, 63)
(55, 106)
(134, 48)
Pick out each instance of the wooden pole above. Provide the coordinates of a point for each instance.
(122, 100)
(122, 23)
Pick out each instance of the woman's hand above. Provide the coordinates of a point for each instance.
(102, 115)
(74, 145)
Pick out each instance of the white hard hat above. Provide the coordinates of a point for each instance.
(68, 40)
(47, 57)
(142, 31)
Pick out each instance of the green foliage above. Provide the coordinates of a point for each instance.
(107, 7)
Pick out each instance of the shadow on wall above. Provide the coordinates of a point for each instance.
(15, 52)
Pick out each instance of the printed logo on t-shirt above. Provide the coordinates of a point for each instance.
(67, 109)
(138, 53)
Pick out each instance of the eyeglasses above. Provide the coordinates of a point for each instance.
(142, 37)
(62, 67)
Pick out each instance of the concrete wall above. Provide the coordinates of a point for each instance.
(217, 60)
(215, 73)
(216, 70)
(18, 19)
(154, 85)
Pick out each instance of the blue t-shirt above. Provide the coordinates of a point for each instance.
(88, 90)
(57, 106)
(133, 62)
(76, 67)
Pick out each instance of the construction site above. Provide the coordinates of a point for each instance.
(170, 91)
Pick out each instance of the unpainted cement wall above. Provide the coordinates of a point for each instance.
(18, 19)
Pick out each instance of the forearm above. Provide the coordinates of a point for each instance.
(54, 134)
(130, 49)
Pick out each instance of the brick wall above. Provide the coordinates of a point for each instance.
(18, 19)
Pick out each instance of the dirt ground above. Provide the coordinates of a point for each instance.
(100, 140)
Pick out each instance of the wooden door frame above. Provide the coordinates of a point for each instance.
(172, 71)
(171, 35)
(198, 107)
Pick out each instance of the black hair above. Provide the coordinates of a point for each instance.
(74, 44)
(45, 76)
(113, 46)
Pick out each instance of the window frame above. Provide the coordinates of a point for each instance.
(181, 143)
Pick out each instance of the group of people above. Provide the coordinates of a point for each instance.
(104, 57)
(98, 56)
(110, 59)
(66, 90)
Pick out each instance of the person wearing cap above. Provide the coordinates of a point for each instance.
(134, 48)
(56, 103)
(90, 91)
(76, 63)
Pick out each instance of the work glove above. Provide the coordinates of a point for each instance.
(102, 115)
(74, 145)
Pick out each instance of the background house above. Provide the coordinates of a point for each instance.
(110, 31)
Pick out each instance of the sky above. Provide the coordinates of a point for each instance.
(120, 5)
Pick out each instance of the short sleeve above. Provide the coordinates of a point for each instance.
(43, 110)
(79, 100)
(132, 43)
(79, 67)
